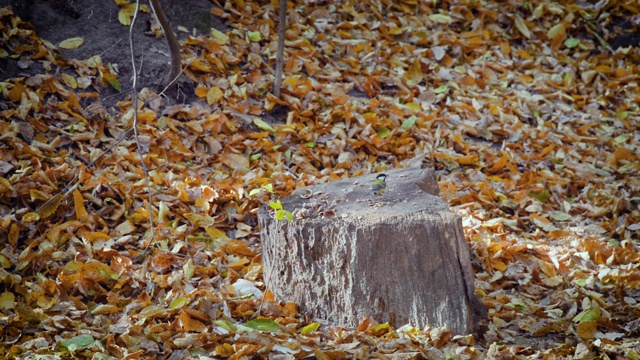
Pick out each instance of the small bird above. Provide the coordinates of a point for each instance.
(379, 184)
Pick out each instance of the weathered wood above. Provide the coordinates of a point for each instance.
(399, 257)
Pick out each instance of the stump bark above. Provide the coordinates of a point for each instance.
(400, 257)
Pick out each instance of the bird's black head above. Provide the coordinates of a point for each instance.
(382, 177)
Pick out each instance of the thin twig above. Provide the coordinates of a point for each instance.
(266, 287)
(135, 124)
(71, 184)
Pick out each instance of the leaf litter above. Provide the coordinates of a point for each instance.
(529, 117)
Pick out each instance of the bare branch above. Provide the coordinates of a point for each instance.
(280, 55)
(174, 46)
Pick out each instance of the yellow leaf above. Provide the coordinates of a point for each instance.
(78, 203)
(254, 36)
(7, 300)
(224, 350)
(14, 234)
(125, 14)
(214, 95)
(50, 207)
(499, 265)
(30, 217)
(71, 43)
(6, 184)
(112, 79)
(196, 64)
(440, 18)
(216, 233)
(395, 30)
(414, 75)
(124, 17)
(413, 106)
(557, 34)
(69, 80)
(219, 37)
(263, 125)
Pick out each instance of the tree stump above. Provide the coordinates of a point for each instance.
(400, 257)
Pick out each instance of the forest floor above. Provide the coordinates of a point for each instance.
(528, 111)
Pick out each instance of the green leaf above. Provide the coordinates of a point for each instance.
(254, 36)
(115, 83)
(150, 311)
(310, 328)
(571, 43)
(543, 195)
(560, 216)
(255, 191)
(627, 168)
(441, 89)
(188, 269)
(263, 325)
(226, 324)
(622, 114)
(383, 132)
(275, 205)
(179, 302)
(78, 342)
(408, 123)
(587, 315)
(284, 214)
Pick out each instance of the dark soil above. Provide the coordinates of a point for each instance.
(96, 21)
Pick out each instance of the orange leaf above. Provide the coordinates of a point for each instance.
(78, 203)
(16, 92)
(239, 248)
(189, 324)
(500, 164)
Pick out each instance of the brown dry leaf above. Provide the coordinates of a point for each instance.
(50, 207)
(531, 147)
